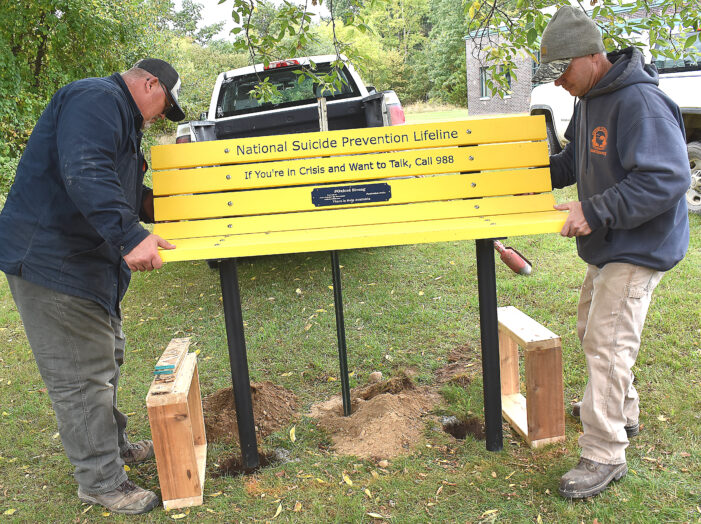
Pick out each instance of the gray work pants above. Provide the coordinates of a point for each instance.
(78, 347)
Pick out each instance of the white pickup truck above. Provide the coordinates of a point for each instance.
(235, 113)
(680, 80)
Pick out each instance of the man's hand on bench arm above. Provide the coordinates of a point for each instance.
(145, 257)
(575, 225)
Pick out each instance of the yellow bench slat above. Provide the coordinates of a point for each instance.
(355, 216)
(336, 238)
(288, 199)
(349, 141)
(350, 167)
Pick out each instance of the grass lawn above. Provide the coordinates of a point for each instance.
(406, 307)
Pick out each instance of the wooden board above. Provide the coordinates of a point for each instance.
(398, 191)
(508, 365)
(177, 429)
(527, 332)
(544, 390)
(358, 216)
(351, 237)
(515, 412)
(517, 128)
(328, 170)
(173, 356)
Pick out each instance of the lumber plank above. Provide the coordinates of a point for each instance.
(545, 393)
(173, 356)
(397, 191)
(513, 407)
(508, 360)
(356, 216)
(179, 441)
(351, 237)
(529, 334)
(337, 169)
(515, 128)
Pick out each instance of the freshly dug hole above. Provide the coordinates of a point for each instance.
(387, 418)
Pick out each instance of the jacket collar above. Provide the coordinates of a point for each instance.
(138, 117)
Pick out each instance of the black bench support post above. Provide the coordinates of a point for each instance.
(340, 332)
(240, 380)
(489, 330)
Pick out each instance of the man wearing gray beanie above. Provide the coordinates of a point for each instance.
(627, 155)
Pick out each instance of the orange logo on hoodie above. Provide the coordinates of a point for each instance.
(599, 140)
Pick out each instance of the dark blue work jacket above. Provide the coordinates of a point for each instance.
(73, 210)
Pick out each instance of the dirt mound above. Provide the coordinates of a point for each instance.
(273, 408)
(387, 418)
(464, 364)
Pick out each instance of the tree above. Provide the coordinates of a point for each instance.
(394, 56)
(446, 53)
(55, 41)
(668, 27)
(186, 20)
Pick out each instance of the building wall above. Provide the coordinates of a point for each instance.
(519, 99)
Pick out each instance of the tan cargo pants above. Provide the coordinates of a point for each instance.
(612, 308)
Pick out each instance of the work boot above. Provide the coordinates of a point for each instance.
(590, 478)
(632, 430)
(136, 452)
(127, 498)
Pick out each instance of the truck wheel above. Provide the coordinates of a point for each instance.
(693, 194)
(553, 145)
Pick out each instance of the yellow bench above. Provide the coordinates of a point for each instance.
(475, 179)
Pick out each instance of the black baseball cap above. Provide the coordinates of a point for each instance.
(169, 77)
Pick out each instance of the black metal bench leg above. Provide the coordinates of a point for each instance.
(341, 333)
(239, 363)
(489, 329)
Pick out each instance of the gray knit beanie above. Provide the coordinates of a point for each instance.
(569, 34)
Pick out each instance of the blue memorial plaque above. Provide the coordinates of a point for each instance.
(343, 195)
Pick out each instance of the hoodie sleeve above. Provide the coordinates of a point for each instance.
(652, 152)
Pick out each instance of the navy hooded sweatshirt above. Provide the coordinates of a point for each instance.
(627, 154)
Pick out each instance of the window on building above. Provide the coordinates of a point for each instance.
(483, 83)
(484, 89)
(535, 63)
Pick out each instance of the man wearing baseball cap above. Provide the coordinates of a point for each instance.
(71, 235)
(627, 155)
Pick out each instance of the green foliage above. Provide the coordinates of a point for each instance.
(185, 23)
(198, 67)
(45, 44)
(502, 29)
(270, 32)
(446, 53)
(8, 166)
(397, 47)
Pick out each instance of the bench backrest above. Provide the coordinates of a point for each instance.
(478, 178)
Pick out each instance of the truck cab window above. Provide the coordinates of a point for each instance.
(236, 95)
